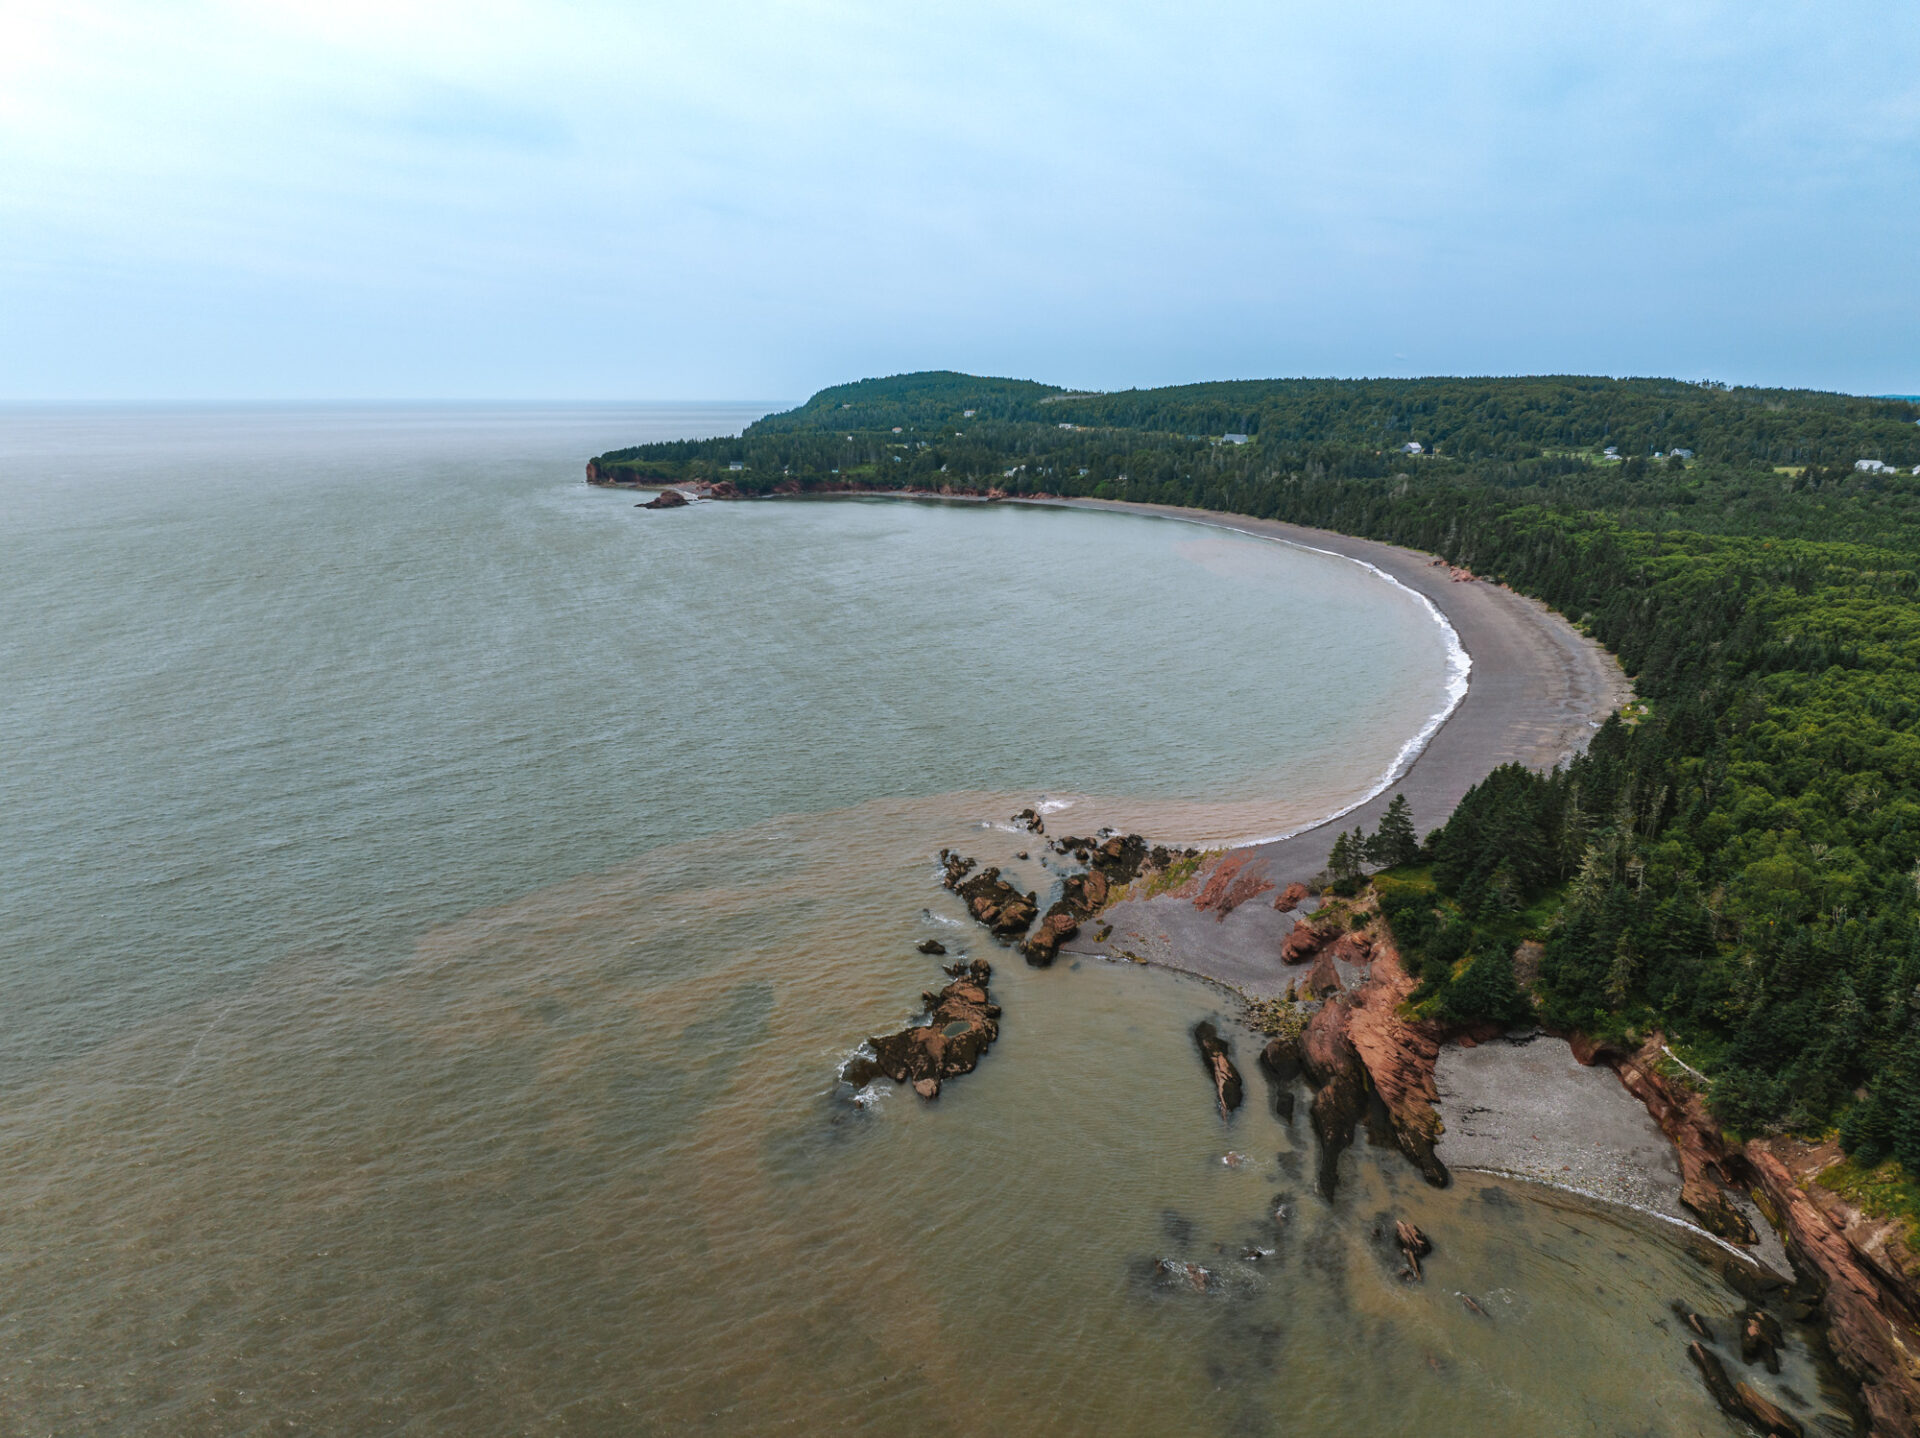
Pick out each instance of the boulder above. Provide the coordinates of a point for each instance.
(1290, 897)
(666, 499)
(1302, 942)
(1055, 929)
(931, 946)
(1760, 1339)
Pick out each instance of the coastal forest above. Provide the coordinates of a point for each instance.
(1736, 860)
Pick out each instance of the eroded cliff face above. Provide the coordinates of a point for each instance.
(1869, 1296)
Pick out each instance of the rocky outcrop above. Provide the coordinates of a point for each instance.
(1399, 1058)
(1236, 878)
(1280, 1060)
(1739, 1400)
(962, 1025)
(1117, 858)
(1290, 898)
(931, 946)
(1004, 910)
(1030, 820)
(1327, 1059)
(1869, 1327)
(666, 499)
(725, 489)
(1216, 1053)
(1043, 945)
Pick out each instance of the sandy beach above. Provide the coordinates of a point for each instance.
(1537, 690)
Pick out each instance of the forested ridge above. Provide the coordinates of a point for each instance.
(1738, 863)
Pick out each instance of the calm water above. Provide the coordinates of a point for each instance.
(438, 896)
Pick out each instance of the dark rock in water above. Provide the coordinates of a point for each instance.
(1740, 1401)
(1085, 894)
(931, 946)
(990, 899)
(1118, 858)
(1030, 820)
(1214, 1053)
(1055, 929)
(1693, 1320)
(1413, 1245)
(666, 499)
(1280, 1061)
(1760, 1339)
(962, 1027)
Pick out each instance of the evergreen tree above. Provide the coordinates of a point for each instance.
(1394, 844)
(1347, 860)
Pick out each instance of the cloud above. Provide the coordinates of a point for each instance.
(422, 198)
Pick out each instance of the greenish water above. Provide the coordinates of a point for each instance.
(438, 896)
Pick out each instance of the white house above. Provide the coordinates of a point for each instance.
(1612, 451)
(968, 413)
(734, 466)
(1873, 466)
(1679, 454)
(1413, 446)
(1233, 439)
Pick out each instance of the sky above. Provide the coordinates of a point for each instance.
(392, 199)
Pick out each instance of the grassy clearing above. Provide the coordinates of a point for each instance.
(1886, 1191)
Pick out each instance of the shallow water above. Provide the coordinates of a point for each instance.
(440, 896)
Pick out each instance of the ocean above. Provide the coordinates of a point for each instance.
(439, 896)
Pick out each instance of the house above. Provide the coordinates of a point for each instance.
(1612, 451)
(968, 413)
(1233, 439)
(1679, 454)
(896, 429)
(1413, 446)
(1873, 466)
(734, 466)
(1068, 426)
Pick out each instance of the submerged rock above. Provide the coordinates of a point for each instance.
(1760, 1339)
(931, 946)
(963, 1024)
(1740, 1401)
(1215, 1054)
(1413, 1245)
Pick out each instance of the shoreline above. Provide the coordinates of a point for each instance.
(1536, 689)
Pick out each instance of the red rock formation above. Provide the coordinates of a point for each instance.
(1870, 1328)
(1231, 885)
(1706, 1163)
(1399, 1058)
(666, 499)
(1289, 898)
(1055, 929)
(1303, 941)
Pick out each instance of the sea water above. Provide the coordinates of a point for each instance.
(439, 896)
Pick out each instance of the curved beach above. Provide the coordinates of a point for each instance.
(1536, 692)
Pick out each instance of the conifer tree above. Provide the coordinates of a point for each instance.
(1394, 844)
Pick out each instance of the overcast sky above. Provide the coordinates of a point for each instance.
(487, 199)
